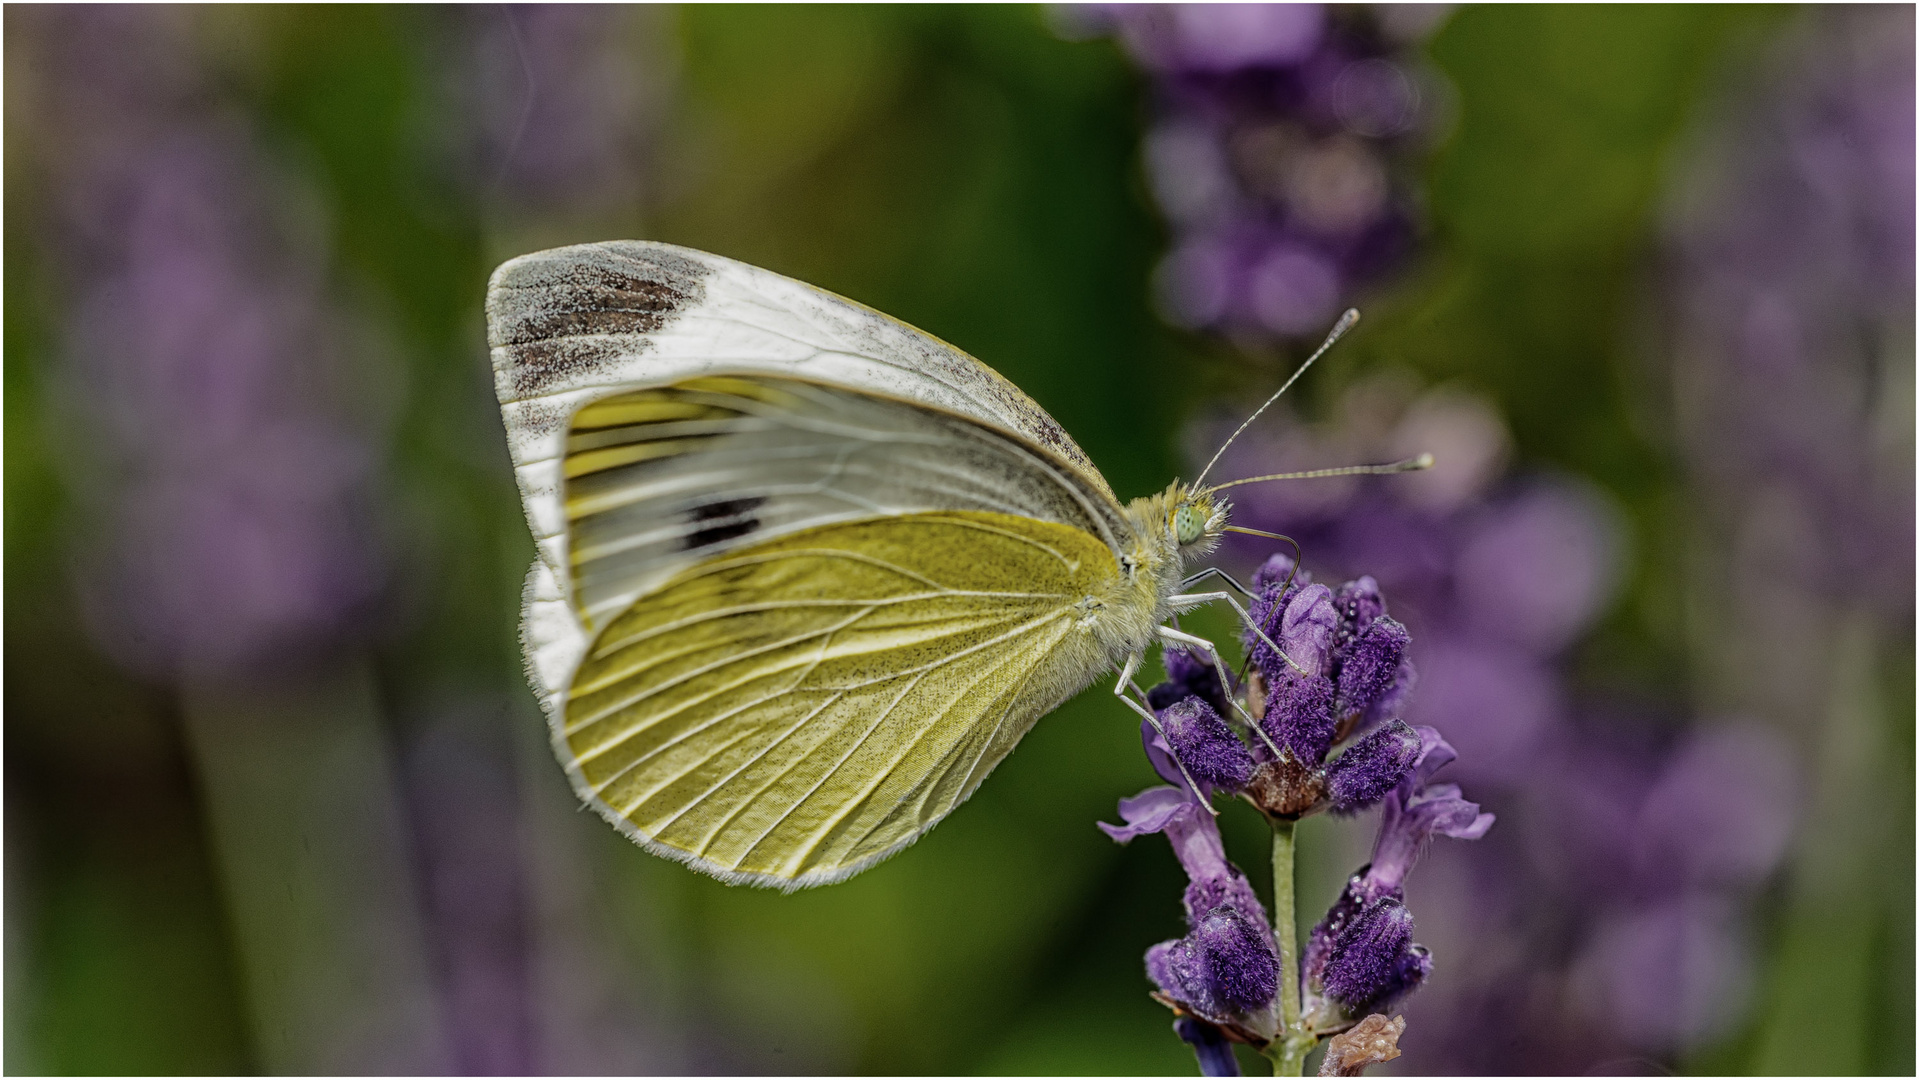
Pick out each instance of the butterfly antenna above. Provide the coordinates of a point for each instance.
(1411, 464)
(1345, 323)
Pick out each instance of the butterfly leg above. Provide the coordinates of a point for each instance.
(1192, 600)
(1178, 637)
(1120, 687)
(1214, 571)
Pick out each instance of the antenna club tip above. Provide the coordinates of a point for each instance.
(1423, 461)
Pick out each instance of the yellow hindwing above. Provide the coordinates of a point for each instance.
(793, 711)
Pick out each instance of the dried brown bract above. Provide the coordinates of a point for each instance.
(1372, 1041)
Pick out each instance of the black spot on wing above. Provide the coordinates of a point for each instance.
(723, 520)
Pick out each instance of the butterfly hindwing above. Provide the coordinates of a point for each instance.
(798, 709)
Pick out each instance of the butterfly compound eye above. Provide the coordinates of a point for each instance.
(1188, 524)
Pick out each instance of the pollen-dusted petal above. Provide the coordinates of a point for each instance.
(1372, 766)
(1206, 745)
(1370, 666)
(1366, 958)
(1299, 715)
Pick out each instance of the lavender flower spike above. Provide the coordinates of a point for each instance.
(1416, 810)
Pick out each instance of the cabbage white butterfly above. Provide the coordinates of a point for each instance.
(805, 574)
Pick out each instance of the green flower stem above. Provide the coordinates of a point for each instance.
(1294, 1042)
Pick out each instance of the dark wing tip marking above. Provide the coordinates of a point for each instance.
(538, 305)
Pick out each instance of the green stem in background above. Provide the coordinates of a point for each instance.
(1289, 1049)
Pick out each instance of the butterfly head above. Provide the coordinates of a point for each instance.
(1196, 519)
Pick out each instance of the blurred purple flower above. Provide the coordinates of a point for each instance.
(1790, 266)
(562, 103)
(1280, 129)
(230, 463)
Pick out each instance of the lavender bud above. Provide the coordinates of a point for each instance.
(1370, 666)
(1372, 766)
(1275, 570)
(1299, 715)
(1304, 630)
(1366, 959)
(1408, 974)
(1187, 674)
(1205, 745)
(1237, 961)
(1358, 604)
(1319, 944)
(1209, 1045)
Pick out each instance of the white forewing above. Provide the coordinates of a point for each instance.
(569, 324)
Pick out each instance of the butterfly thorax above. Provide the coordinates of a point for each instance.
(1153, 563)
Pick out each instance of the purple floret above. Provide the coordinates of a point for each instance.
(1372, 766)
(1416, 810)
(1188, 674)
(1299, 715)
(1366, 959)
(1241, 967)
(1304, 628)
(1370, 666)
(1206, 745)
(1210, 1045)
(1358, 603)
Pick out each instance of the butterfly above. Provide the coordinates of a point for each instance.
(805, 574)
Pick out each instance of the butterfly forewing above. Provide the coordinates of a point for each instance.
(658, 478)
(799, 708)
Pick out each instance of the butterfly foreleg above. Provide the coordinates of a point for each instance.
(1124, 683)
(1179, 637)
(1187, 601)
(1214, 571)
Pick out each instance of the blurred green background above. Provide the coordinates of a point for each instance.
(966, 169)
